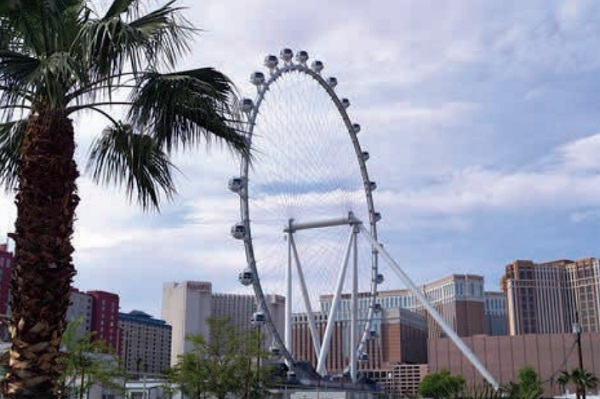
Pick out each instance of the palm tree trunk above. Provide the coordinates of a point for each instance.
(43, 269)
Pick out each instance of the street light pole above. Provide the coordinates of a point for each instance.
(577, 332)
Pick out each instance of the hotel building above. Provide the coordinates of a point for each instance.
(81, 308)
(547, 298)
(188, 304)
(146, 343)
(459, 298)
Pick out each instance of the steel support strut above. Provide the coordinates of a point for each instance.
(321, 363)
(431, 310)
(302, 281)
(354, 308)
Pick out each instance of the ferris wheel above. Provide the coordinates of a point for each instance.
(309, 225)
(302, 196)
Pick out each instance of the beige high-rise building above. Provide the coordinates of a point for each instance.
(237, 308)
(188, 304)
(547, 298)
(185, 306)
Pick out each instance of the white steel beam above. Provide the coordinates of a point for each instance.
(322, 361)
(431, 310)
(288, 299)
(319, 224)
(310, 314)
(354, 308)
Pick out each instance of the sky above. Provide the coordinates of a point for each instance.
(482, 120)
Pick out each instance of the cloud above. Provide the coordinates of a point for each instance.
(8, 212)
(585, 216)
(582, 155)
(437, 89)
(405, 113)
(570, 181)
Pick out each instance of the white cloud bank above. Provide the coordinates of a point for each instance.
(568, 179)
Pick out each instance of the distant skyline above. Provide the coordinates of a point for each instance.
(482, 120)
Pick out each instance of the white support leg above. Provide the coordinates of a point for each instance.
(310, 314)
(354, 308)
(288, 299)
(436, 316)
(322, 362)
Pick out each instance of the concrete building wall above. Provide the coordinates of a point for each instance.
(185, 306)
(276, 307)
(237, 308)
(403, 337)
(188, 304)
(503, 356)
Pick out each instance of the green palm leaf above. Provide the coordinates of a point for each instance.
(181, 109)
(122, 40)
(11, 137)
(134, 160)
(118, 7)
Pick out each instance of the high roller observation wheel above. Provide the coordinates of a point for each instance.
(295, 177)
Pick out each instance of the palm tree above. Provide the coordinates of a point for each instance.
(59, 57)
(563, 379)
(581, 378)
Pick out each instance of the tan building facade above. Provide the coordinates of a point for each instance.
(547, 298)
(187, 305)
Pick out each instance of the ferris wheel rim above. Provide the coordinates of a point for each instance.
(263, 89)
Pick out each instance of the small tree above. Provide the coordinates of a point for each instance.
(221, 365)
(563, 379)
(86, 362)
(441, 385)
(530, 383)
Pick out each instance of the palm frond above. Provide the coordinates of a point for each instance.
(11, 138)
(118, 7)
(40, 27)
(170, 33)
(17, 67)
(182, 109)
(48, 78)
(117, 42)
(133, 160)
